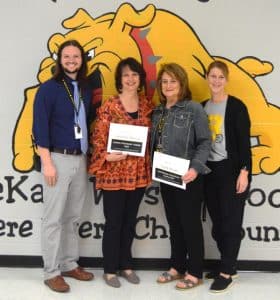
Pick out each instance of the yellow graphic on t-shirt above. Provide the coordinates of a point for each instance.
(215, 125)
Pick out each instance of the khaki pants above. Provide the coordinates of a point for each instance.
(62, 208)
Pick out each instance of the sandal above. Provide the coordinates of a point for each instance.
(168, 277)
(188, 284)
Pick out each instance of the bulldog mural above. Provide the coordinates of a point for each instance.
(154, 36)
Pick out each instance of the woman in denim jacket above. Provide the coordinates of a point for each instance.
(180, 128)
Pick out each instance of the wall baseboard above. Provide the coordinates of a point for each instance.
(21, 261)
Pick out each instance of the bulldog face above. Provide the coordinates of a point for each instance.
(106, 40)
(154, 36)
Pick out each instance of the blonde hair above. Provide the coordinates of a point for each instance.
(220, 65)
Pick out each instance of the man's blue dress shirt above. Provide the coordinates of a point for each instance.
(53, 116)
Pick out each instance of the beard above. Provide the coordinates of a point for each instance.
(73, 71)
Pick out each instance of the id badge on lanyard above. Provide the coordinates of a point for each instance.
(78, 132)
(77, 129)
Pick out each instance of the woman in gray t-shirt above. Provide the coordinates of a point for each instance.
(226, 187)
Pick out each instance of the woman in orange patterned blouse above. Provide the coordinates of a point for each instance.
(122, 178)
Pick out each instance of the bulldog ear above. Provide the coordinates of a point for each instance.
(127, 15)
(55, 41)
(79, 20)
(254, 66)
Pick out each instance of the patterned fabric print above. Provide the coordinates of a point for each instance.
(127, 174)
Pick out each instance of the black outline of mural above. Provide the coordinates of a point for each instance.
(199, 69)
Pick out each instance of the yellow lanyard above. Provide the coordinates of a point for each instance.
(72, 98)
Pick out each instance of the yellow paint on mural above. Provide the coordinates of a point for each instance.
(155, 36)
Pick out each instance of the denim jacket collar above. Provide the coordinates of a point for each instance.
(180, 104)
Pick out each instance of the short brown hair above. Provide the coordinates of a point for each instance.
(176, 71)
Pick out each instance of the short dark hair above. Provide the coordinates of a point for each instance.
(179, 73)
(135, 66)
(82, 73)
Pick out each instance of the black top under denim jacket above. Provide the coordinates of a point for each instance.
(185, 133)
(237, 133)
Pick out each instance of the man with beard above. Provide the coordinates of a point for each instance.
(60, 131)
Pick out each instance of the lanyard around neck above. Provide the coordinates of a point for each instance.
(76, 109)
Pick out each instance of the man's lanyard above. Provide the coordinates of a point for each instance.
(76, 109)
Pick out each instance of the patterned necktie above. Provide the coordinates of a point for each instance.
(81, 118)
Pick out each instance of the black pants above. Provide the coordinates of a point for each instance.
(183, 213)
(120, 211)
(226, 209)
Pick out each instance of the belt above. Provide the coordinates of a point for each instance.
(67, 151)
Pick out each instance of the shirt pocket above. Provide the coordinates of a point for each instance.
(182, 119)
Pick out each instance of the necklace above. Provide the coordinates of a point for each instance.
(161, 123)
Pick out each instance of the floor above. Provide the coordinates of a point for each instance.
(27, 284)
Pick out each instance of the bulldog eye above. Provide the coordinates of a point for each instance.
(90, 54)
(54, 56)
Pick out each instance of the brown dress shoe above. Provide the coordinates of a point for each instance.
(79, 273)
(57, 284)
